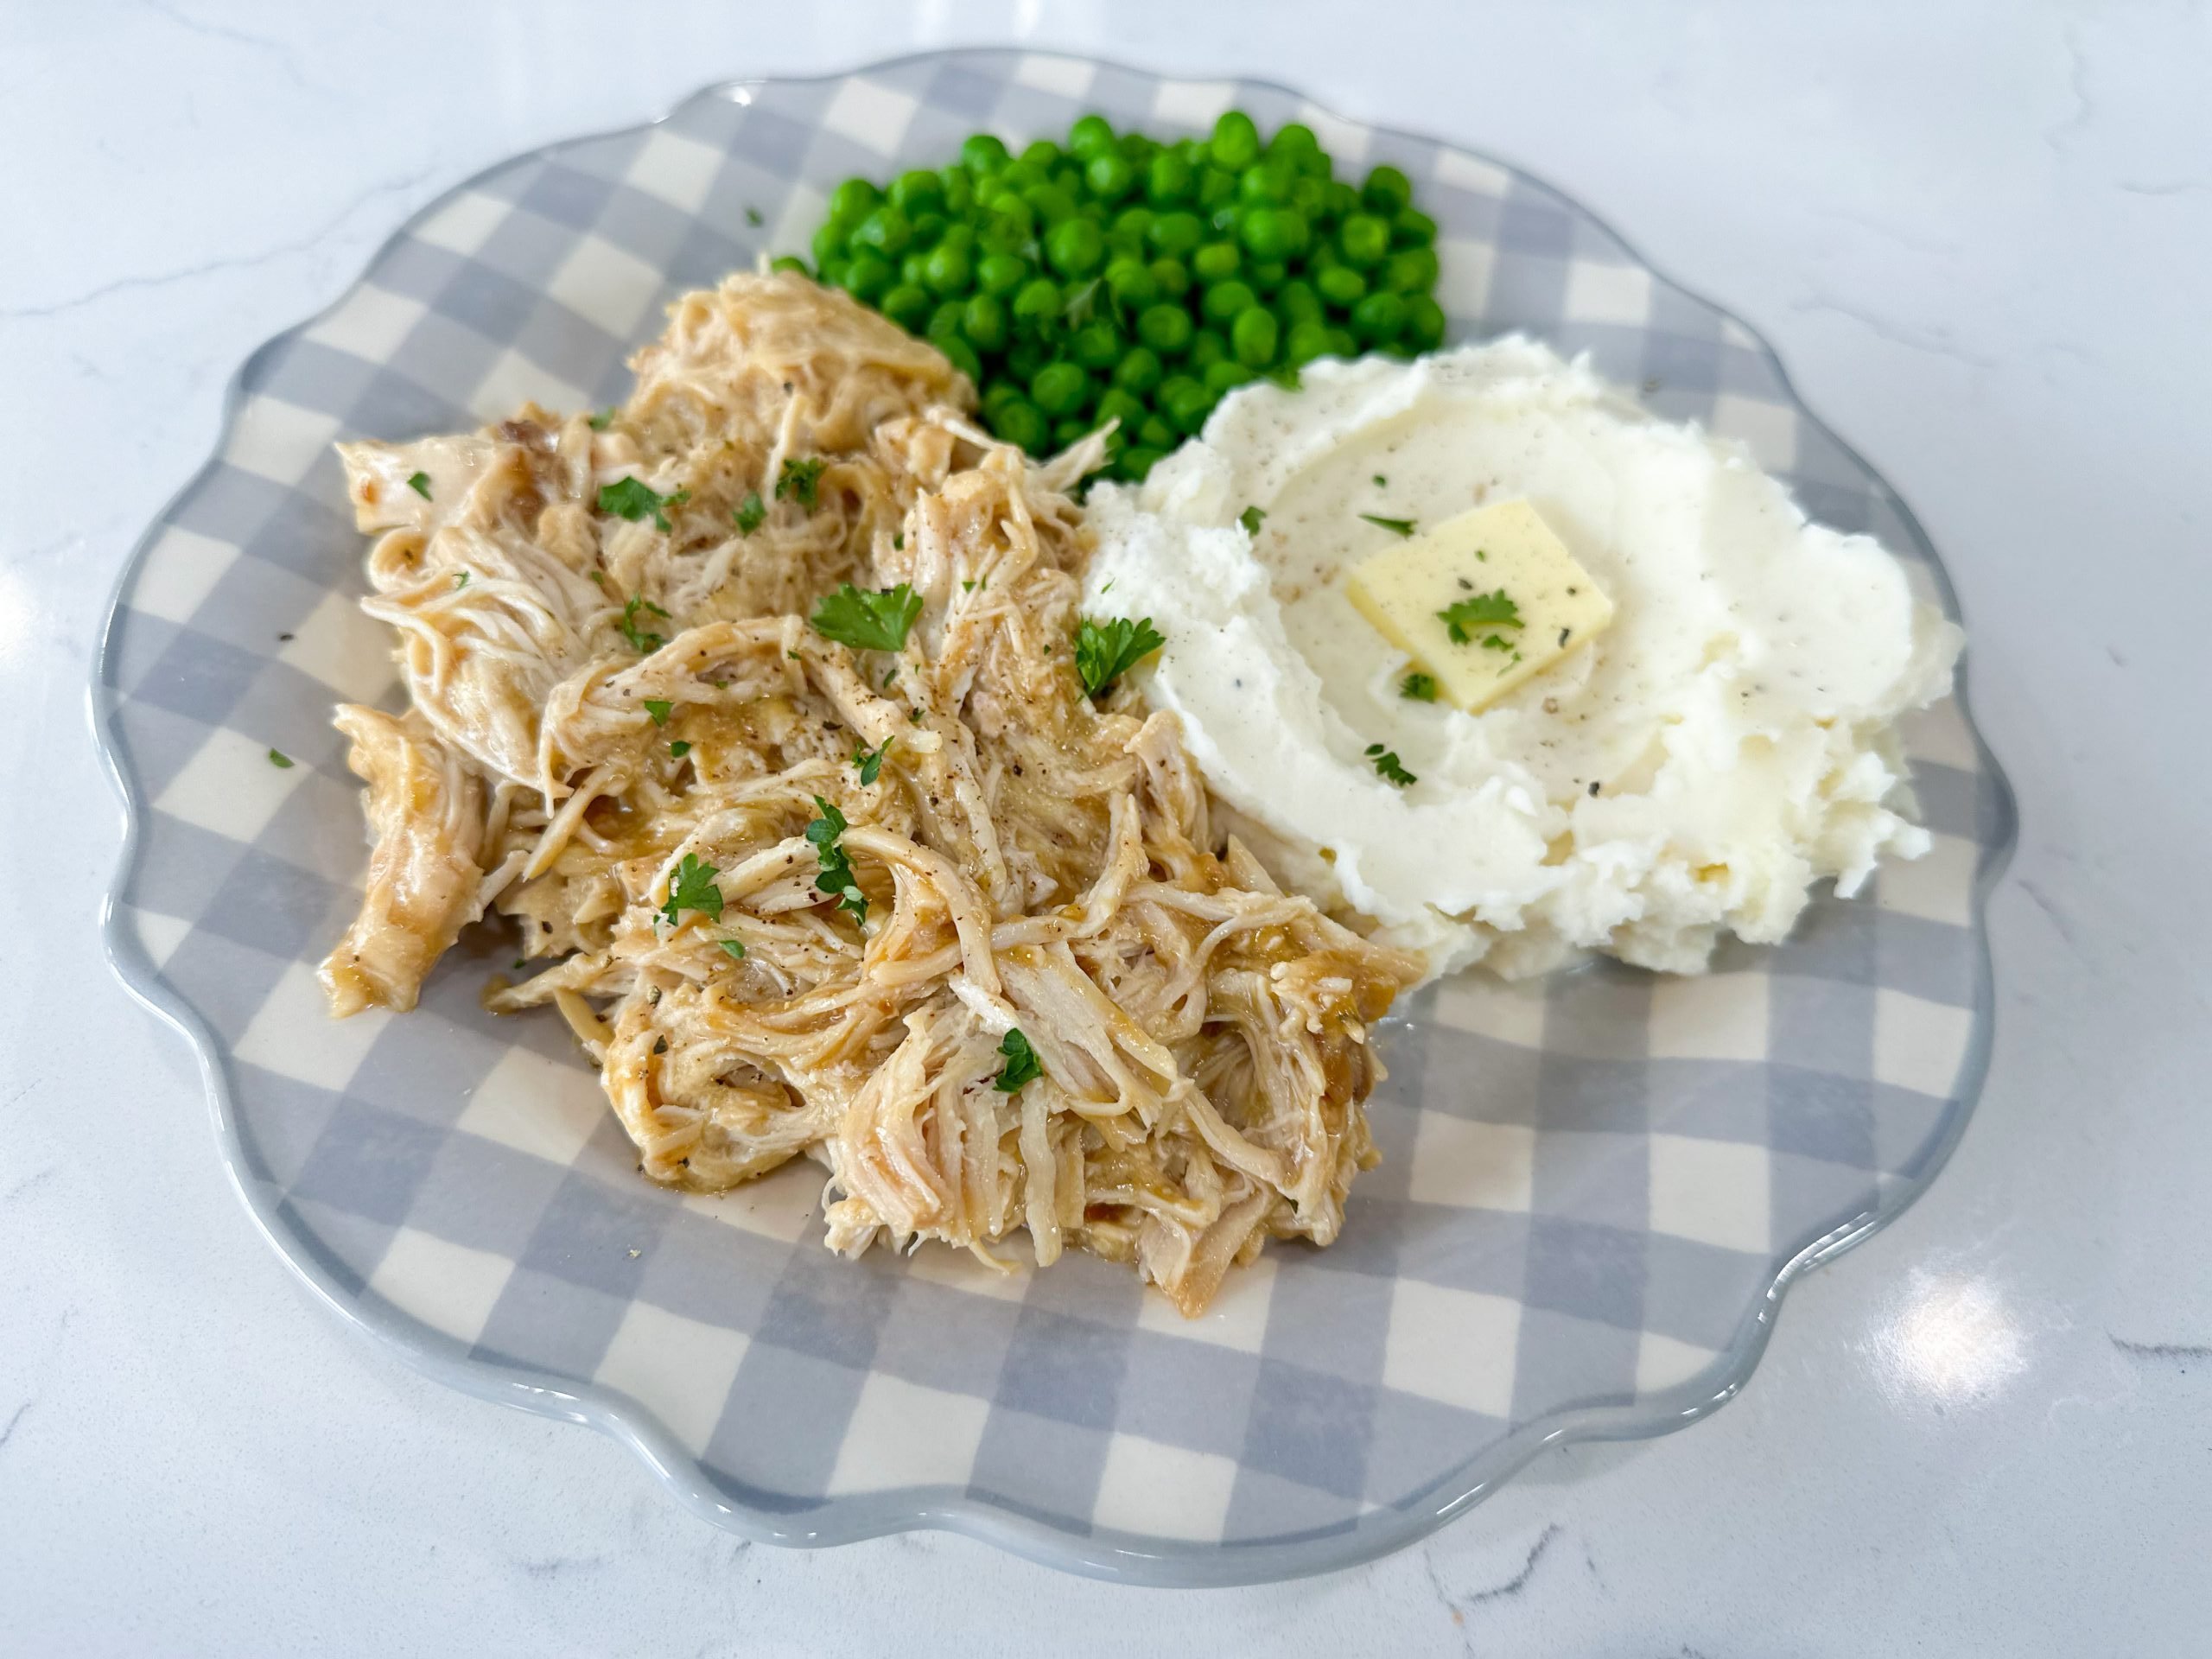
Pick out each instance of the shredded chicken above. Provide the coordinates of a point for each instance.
(601, 705)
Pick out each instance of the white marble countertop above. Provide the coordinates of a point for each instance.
(1978, 235)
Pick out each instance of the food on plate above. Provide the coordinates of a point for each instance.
(764, 708)
(1121, 279)
(1727, 740)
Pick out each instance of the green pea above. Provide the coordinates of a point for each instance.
(1424, 323)
(1019, 176)
(1060, 388)
(1173, 275)
(1074, 429)
(1292, 139)
(1186, 401)
(1339, 199)
(1236, 141)
(1223, 301)
(982, 322)
(1410, 270)
(1041, 154)
(1254, 336)
(1093, 134)
(930, 228)
(1110, 177)
(854, 199)
(1208, 346)
(1227, 375)
(907, 304)
(1054, 202)
(947, 271)
(945, 319)
(1139, 371)
(1132, 283)
(1169, 179)
(1363, 238)
(1025, 357)
(914, 269)
(1268, 274)
(1039, 301)
(886, 230)
(1000, 273)
(981, 154)
(1342, 343)
(1139, 149)
(1341, 286)
(1378, 318)
(916, 192)
(1138, 460)
(1275, 232)
(1266, 185)
(830, 240)
(997, 395)
(1177, 234)
(833, 272)
(1310, 197)
(868, 276)
(1154, 433)
(963, 356)
(1306, 342)
(1021, 423)
(1115, 405)
(1229, 219)
(1166, 328)
(1131, 230)
(1387, 191)
(1096, 345)
(959, 189)
(1075, 247)
(790, 263)
(1298, 303)
(1216, 262)
(1411, 228)
(1216, 186)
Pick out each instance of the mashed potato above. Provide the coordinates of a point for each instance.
(1726, 744)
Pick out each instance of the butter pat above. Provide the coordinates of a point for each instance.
(1523, 603)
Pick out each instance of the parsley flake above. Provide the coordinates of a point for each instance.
(1021, 1065)
(1492, 610)
(461, 579)
(420, 483)
(870, 762)
(868, 621)
(1380, 482)
(1251, 518)
(601, 421)
(750, 513)
(898, 540)
(1396, 526)
(644, 641)
(1420, 688)
(692, 887)
(734, 949)
(1104, 652)
(799, 481)
(753, 215)
(679, 749)
(658, 708)
(278, 759)
(635, 499)
(837, 875)
(1388, 763)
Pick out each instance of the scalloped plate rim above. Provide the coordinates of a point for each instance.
(1103, 1554)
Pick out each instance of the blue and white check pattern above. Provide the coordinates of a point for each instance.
(1589, 1188)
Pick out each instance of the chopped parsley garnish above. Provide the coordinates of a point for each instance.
(644, 641)
(633, 499)
(679, 749)
(968, 585)
(1380, 482)
(836, 868)
(461, 579)
(798, 482)
(1420, 688)
(750, 513)
(1387, 763)
(868, 620)
(420, 483)
(658, 708)
(601, 421)
(1479, 611)
(753, 215)
(693, 887)
(279, 759)
(898, 540)
(1496, 642)
(734, 949)
(1251, 518)
(1104, 652)
(870, 762)
(1396, 526)
(1021, 1065)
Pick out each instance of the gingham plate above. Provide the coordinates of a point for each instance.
(1593, 1192)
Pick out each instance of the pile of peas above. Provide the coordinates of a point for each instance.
(1122, 278)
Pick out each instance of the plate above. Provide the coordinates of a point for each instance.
(1593, 1193)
